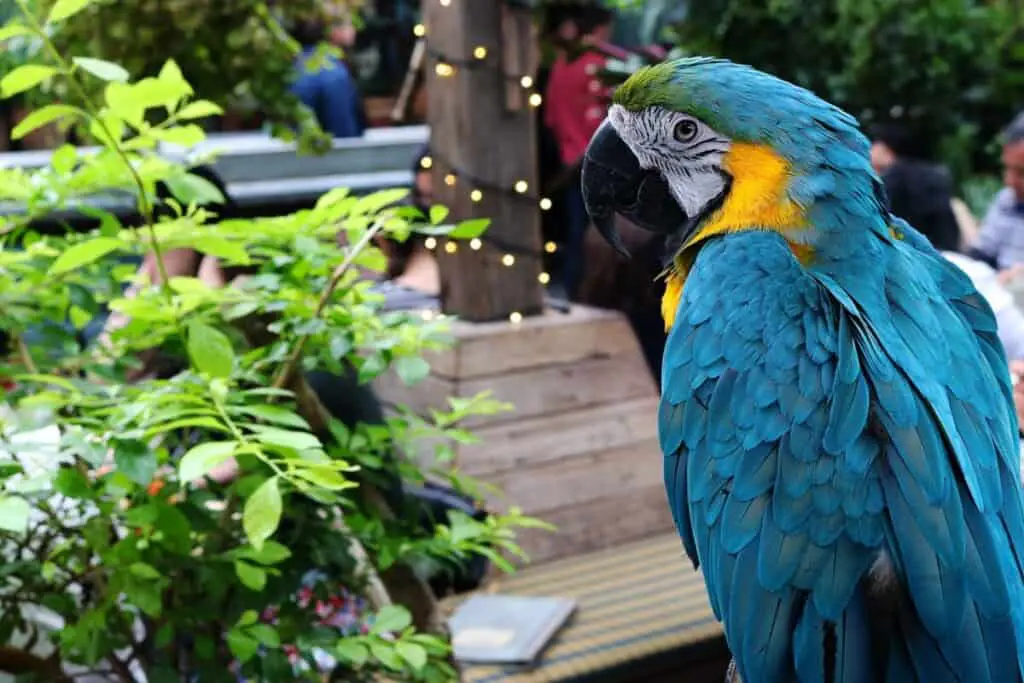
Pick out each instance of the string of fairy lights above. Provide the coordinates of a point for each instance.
(449, 66)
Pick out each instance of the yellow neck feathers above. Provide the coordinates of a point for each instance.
(756, 200)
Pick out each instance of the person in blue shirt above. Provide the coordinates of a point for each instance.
(330, 90)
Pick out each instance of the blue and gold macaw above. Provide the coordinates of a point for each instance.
(841, 450)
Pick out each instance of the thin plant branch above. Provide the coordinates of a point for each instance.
(285, 374)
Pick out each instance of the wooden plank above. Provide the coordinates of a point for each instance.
(542, 440)
(490, 349)
(562, 388)
(600, 524)
(565, 483)
(468, 124)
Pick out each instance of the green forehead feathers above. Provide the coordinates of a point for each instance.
(648, 87)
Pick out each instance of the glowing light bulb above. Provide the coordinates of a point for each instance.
(430, 243)
(419, 30)
(476, 195)
(451, 247)
(445, 3)
(526, 82)
(515, 318)
(444, 70)
(450, 180)
(545, 204)
(426, 162)
(508, 260)
(475, 244)
(536, 100)
(480, 52)
(550, 247)
(544, 278)
(522, 186)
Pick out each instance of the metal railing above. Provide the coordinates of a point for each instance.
(260, 171)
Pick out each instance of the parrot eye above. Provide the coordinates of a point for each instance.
(685, 131)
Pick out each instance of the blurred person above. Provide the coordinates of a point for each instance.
(632, 286)
(1000, 240)
(412, 279)
(1009, 318)
(919, 191)
(327, 88)
(576, 102)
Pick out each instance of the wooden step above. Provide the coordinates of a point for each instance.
(638, 603)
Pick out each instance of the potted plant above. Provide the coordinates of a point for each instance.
(125, 553)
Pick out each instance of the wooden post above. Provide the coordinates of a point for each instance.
(479, 133)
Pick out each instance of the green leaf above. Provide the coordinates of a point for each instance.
(41, 117)
(201, 422)
(14, 514)
(101, 68)
(352, 651)
(210, 350)
(243, 646)
(13, 30)
(284, 438)
(252, 577)
(391, 618)
(474, 227)
(83, 254)
(187, 135)
(136, 460)
(170, 74)
(202, 458)
(233, 252)
(25, 77)
(64, 159)
(248, 618)
(438, 213)
(385, 654)
(272, 552)
(374, 202)
(325, 478)
(412, 653)
(411, 369)
(262, 512)
(281, 416)
(266, 634)
(199, 109)
(72, 483)
(332, 197)
(144, 571)
(62, 9)
(156, 92)
(188, 188)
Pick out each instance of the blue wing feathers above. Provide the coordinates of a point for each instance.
(813, 427)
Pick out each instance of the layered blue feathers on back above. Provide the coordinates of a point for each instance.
(842, 462)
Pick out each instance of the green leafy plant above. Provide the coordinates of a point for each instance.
(123, 542)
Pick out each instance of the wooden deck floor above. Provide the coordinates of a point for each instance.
(643, 615)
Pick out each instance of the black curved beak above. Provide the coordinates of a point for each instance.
(613, 182)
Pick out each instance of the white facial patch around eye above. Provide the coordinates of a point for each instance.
(693, 168)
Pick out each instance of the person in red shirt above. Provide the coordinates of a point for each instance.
(576, 102)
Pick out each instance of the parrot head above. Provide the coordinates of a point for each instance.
(699, 147)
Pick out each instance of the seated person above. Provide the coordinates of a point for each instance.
(632, 286)
(1000, 241)
(1008, 316)
(413, 280)
(920, 192)
(330, 91)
